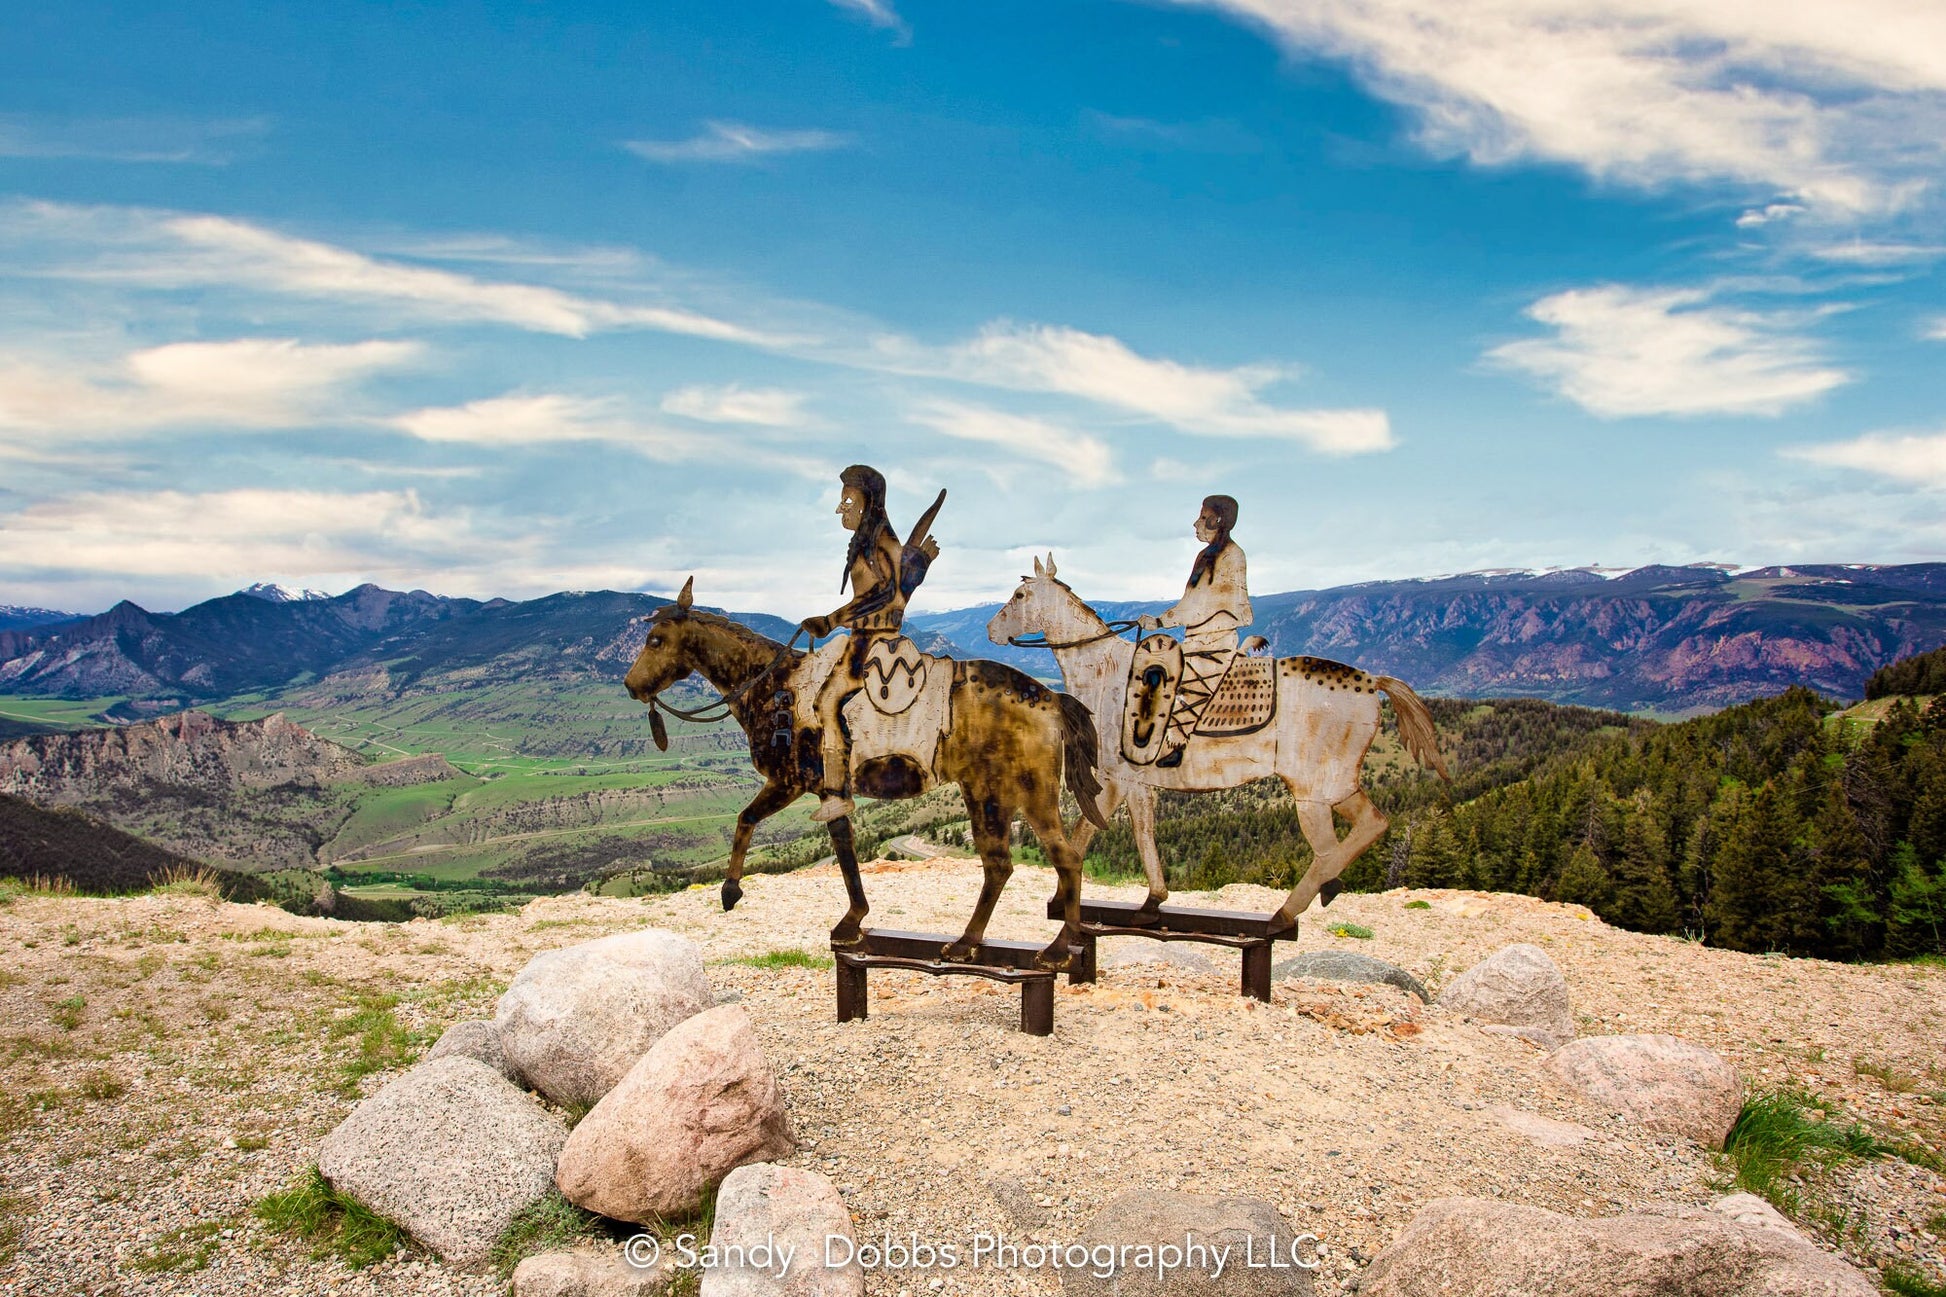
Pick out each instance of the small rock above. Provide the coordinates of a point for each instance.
(589, 1274)
(699, 1104)
(1156, 1218)
(475, 1038)
(1348, 966)
(575, 1020)
(1662, 1082)
(1516, 985)
(783, 1209)
(1023, 1208)
(1473, 1247)
(450, 1151)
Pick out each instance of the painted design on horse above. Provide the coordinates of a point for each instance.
(1010, 744)
(1326, 716)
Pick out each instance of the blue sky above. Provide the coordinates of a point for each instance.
(506, 299)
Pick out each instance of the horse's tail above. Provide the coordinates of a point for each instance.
(1081, 752)
(1415, 724)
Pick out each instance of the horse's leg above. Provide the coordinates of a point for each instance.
(848, 932)
(770, 799)
(1043, 811)
(1141, 818)
(991, 821)
(1329, 855)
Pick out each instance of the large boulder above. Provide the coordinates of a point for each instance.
(1479, 1247)
(788, 1232)
(589, 1274)
(1663, 1082)
(477, 1039)
(699, 1104)
(1240, 1235)
(574, 1020)
(1517, 986)
(1348, 966)
(451, 1151)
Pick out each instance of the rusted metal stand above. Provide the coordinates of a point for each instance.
(1250, 934)
(1001, 961)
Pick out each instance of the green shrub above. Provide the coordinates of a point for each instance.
(1342, 929)
(335, 1224)
(1418, 905)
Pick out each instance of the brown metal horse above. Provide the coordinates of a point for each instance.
(1010, 742)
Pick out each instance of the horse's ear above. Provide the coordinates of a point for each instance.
(1050, 563)
(1038, 569)
(688, 595)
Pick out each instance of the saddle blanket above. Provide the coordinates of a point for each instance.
(1245, 701)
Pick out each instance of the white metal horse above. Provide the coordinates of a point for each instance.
(1326, 717)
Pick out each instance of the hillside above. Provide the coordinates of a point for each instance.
(139, 1132)
(94, 857)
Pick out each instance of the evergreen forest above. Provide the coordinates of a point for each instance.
(1788, 824)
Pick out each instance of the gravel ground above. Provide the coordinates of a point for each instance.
(167, 1061)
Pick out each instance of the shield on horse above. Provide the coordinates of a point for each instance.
(1154, 677)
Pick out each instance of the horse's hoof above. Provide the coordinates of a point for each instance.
(732, 893)
(845, 936)
(1057, 958)
(1329, 892)
(1149, 915)
(959, 952)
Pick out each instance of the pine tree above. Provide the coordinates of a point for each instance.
(1915, 905)
(1584, 881)
(1841, 874)
(1759, 897)
(1642, 898)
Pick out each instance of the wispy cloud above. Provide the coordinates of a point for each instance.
(1199, 400)
(1209, 135)
(879, 14)
(1936, 330)
(1084, 458)
(1907, 457)
(130, 139)
(234, 535)
(1768, 213)
(764, 407)
(520, 419)
(1861, 253)
(1836, 103)
(242, 383)
(1619, 352)
(173, 250)
(736, 142)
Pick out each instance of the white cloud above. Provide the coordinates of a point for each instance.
(524, 420)
(1936, 330)
(1203, 401)
(1620, 352)
(242, 383)
(177, 250)
(766, 407)
(879, 14)
(1908, 457)
(129, 139)
(1765, 215)
(1836, 103)
(736, 142)
(1860, 253)
(1084, 458)
(228, 534)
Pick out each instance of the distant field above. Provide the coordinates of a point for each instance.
(66, 713)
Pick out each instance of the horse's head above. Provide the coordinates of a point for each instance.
(1041, 605)
(664, 658)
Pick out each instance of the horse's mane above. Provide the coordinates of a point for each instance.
(736, 629)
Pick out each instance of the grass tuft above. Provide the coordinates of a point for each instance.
(1910, 1281)
(1418, 905)
(1784, 1133)
(67, 1013)
(335, 1224)
(182, 1251)
(188, 880)
(1342, 929)
(383, 1042)
(550, 1224)
(13, 1224)
(783, 959)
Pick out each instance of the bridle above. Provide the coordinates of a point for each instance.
(709, 713)
(1039, 640)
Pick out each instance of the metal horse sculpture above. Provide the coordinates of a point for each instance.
(1010, 742)
(1325, 717)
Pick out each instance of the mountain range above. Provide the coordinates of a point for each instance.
(1662, 639)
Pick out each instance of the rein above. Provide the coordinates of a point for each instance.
(718, 710)
(1038, 640)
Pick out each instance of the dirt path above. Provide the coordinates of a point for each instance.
(210, 1048)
